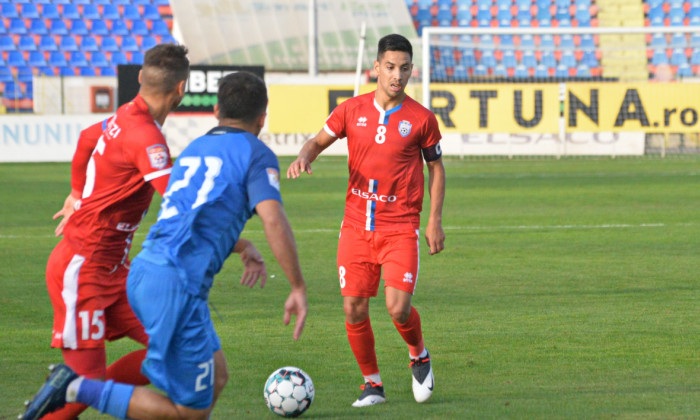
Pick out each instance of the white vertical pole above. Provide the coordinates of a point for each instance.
(360, 53)
(425, 71)
(313, 35)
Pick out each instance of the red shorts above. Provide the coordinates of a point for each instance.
(89, 301)
(365, 256)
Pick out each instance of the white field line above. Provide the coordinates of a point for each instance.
(450, 228)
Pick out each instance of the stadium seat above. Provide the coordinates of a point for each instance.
(568, 59)
(9, 10)
(29, 10)
(461, 72)
(6, 75)
(26, 43)
(7, 43)
(583, 71)
(541, 71)
(656, 12)
(68, 43)
(36, 59)
(659, 57)
(70, 11)
(480, 70)
(25, 74)
(49, 11)
(78, 27)
(98, 59)
(695, 57)
(139, 27)
(119, 28)
(509, 59)
(500, 71)
(89, 43)
(13, 91)
(131, 12)
(91, 12)
(148, 42)
(160, 28)
(561, 71)
(567, 41)
(109, 44)
(45, 70)
(58, 27)
(129, 44)
(86, 71)
(136, 58)
(589, 58)
(47, 43)
(150, 12)
(548, 59)
(684, 70)
(110, 12)
(529, 59)
(167, 39)
(66, 71)
(488, 59)
(118, 57)
(107, 71)
(521, 71)
(38, 27)
(16, 59)
(57, 59)
(678, 57)
(99, 27)
(17, 26)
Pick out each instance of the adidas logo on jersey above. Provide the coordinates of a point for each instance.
(362, 122)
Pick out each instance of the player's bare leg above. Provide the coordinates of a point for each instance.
(361, 338)
(407, 322)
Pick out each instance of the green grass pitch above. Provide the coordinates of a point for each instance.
(568, 289)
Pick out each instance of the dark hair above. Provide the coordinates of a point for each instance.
(164, 66)
(242, 96)
(394, 42)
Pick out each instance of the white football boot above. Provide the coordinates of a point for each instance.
(371, 394)
(423, 380)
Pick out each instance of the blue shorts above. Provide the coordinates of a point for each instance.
(182, 340)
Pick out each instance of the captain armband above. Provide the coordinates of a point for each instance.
(432, 153)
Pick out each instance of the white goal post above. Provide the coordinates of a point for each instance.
(644, 81)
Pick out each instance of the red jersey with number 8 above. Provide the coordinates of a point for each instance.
(385, 187)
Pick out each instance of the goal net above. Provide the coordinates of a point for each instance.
(564, 90)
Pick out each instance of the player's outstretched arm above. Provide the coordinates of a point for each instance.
(281, 239)
(65, 213)
(253, 262)
(434, 234)
(309, 152)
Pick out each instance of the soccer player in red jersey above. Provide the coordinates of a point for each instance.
(389, 135)
(118, 165)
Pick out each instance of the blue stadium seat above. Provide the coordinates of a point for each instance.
(659, 57)
(521, 71)
(119, 28)
(486, 41)
(161, 2)
(118, 57)
(587, 41)
(36, 59)
(107, 71)
(529, 59)
(61, 1)
(26, 43)
(684, 70)
(488, 59)
(86, 71)
(567, 41)
(25, 74)
(58, 27)
(541, 71)
(78, 27)
(66, 71)
(590, 59)
(500, 71)
(9, 10)
(91, 12)
(150, 12)
(506, 41)
(70, 11)
(139, 27)
(99, 27)
(17, 26)
(81, 1)
(561, 71)
(16, 59)
(7, 43)
(29, 10)
(148, 42)
(50, 11)
(136, 58)
(678, 41)
(461, 72)
(13, 91)
(568, 58)
(547, 41)
(583, 17)
(548, 59)
(160, 28)
(68, 43)
(109, 44)
(167, 39)
(89, 43)
(110, 12)
(656, 12)
(38, 27)
(527, 40)
(47, 43)
(45, 70)
(98, 59)
(509, 59)
(678, 57)
(480, 70)
(57, 59)
(6, 75)
(77, 59)
(131, 12)
(129, 44)
(583, 71)
(424, 3)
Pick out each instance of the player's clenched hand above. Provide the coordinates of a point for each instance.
(65, 213)
(254, 266)
(435, 237)
(299, 165)
(296, 305)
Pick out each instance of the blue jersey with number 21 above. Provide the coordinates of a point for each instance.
(214, 187)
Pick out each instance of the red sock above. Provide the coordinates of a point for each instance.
(411, 333)
(126, 370)
(361, 338)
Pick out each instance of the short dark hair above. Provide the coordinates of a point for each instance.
(242, 96)
(164, 66)
(394, 42)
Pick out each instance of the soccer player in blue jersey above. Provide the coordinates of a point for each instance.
(218, 182)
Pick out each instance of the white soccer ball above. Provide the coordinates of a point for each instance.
(289, 391)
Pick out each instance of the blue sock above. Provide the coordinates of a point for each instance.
(89, 392)
(115, 399)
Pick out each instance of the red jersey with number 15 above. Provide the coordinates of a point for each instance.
(385, 187)
(130, 152)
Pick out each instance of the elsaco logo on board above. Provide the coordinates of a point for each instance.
(588, 107)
